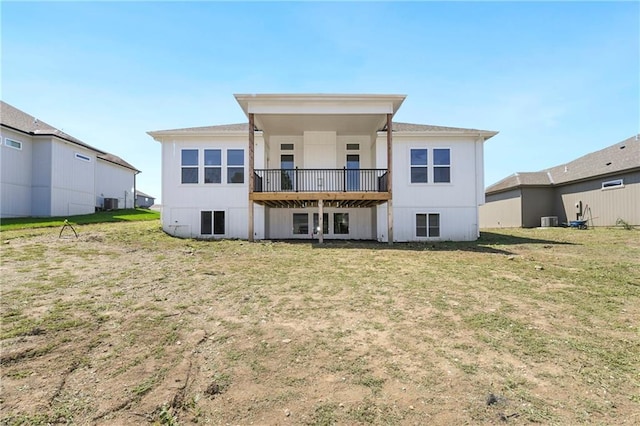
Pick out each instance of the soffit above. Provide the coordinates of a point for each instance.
(295, 114)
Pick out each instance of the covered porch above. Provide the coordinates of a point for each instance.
(318, 121)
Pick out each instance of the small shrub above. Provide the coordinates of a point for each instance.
(624, 224)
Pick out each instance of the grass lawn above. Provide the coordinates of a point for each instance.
(127, 325)
(126, 215)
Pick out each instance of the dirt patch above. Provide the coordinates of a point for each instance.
(126, 325)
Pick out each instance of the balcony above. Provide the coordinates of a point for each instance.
(305, 187)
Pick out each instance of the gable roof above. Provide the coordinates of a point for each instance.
(620, 157)
(142, 194)
(244, 128)
(13, 118)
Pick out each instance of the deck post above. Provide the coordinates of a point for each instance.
(320, 221)
(389, 179)
(251, 172)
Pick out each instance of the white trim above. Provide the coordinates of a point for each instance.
(197, 167)
(428, 236)
(411, 166)
(433, 166)
(612, 184)
(83, 157)
(7, 140)
(213, 223)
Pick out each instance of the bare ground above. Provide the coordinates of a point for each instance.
(126, 325)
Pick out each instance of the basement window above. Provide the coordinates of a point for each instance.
(428, 225)
(13, 144)
(341, 223)
(612, 184)
(83, 157)
(212, 223)
(300, 223)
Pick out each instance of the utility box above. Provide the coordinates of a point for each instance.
(548, 221)
(111, 204)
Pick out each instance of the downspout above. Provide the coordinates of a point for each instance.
(135, 190)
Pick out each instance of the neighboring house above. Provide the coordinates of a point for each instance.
(322, 166)
(46, 172)
(600, 187)
(143, 200)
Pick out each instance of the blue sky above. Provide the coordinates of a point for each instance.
(557, 79)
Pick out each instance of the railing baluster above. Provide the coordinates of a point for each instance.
(320, 180)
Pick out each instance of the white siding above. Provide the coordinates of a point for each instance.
(41, 184)
(360, 223)
(320, 150)
(456, 223)
(73, 186)
(182, 203)
(113, 181)
(456, 202)
(15, 176)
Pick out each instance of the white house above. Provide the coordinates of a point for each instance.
(322, 166)
(46, 172)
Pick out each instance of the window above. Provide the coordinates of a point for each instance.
(341, 223)
(212, 222)
(428, 225)
(618, 183)
(441, 165)
(353, 146)
(300, 223)
(421, 225)
(212, 166)
(419, 165)
(189, 166)
(218, 223)
(434, 225)
(325, 223)
(235, 157)
(12, 144)
(206, 222)
(286, 147)
(83, 157)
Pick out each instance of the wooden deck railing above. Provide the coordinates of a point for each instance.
(320, 180)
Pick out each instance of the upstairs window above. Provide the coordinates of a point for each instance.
(235, 166)
(419, 166)
(618, 183)
(212, 166)
(441, 165)
(83, 157)
(189, 166)
(12, 144)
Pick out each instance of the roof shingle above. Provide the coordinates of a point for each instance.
(244, 127)
(16, 119)
(620, 157)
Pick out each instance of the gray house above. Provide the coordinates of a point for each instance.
(46, 172)
(144, 200)
(601, 187)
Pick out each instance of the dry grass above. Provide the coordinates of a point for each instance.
(126, 325)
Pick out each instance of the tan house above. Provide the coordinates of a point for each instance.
(602, 187)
